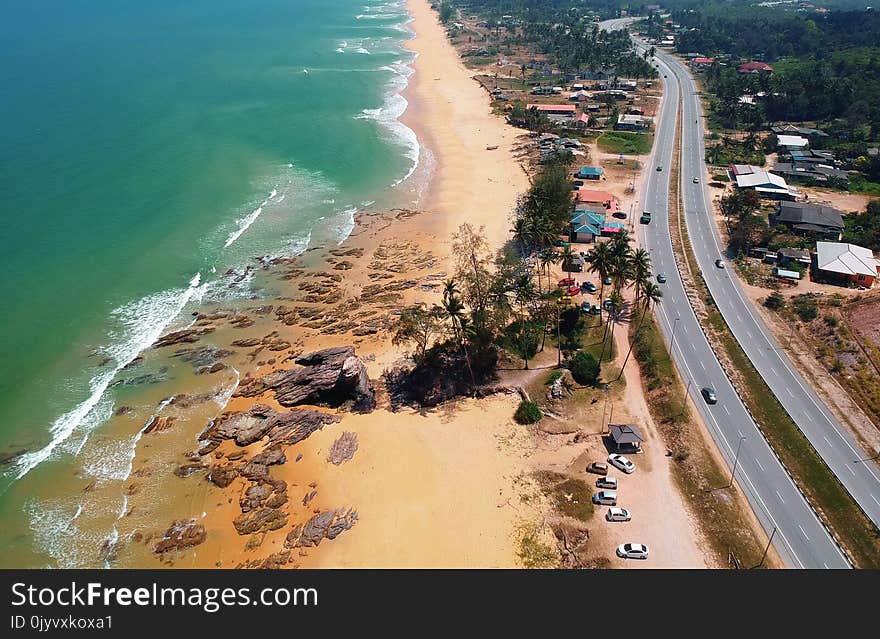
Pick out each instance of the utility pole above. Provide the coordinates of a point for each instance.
(736, 460)
(766, 550)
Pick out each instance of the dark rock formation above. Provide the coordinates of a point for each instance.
(343, 448)
(184, 336)
(332, 376)
(260, 420)
(328, 524)
(222, 476)
(260, 520)
(181, 534)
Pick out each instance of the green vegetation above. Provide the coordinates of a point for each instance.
(552, 377)
(533, 553)
(584, 368)
(864, 229)
(527, 413)
(805, 307)
(571, 497)
(625, 142)
(775, 302)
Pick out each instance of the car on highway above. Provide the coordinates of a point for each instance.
(589, 287)
(598, 468)
(719, 263)
(605, 498)
(661, 278)
(659, 168)
(618, 514)
(646, 217)
(607, 482)
(621, 462)
(709, 395)
(632, 551)
(696, 180)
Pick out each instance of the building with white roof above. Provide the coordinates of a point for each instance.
(846, 263)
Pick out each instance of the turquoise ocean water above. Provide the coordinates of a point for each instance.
(149, 148)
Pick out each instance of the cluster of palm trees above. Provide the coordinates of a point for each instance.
(614, 262)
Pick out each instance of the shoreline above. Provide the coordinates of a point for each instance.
(450, 452)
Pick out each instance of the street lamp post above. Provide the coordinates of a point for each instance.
(672, 342)
(736, 460)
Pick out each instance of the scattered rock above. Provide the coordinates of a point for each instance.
(184, 336)
(343, 448)
(184, 533)
(260, 519)
(328, 524)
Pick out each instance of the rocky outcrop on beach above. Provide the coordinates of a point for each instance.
(183, 336)
(333, 376)
(260, 421)
(328, 524)
(181, 534)
(260, 520)
(272, 562)
(343, 448)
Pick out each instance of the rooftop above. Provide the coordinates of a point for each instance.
(848, 259)
(626, 434)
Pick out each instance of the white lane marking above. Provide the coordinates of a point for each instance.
(789, 392)
(875, 500)
(830, 445)
(803, 532)
(759, 464)
(851, 470)
(703, 365)
(726, 409)
(780, 497)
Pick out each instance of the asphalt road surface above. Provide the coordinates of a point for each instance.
(799, 538)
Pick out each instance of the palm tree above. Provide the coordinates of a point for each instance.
(567, 259)
(652, 294)
(546, 258)
(524, 292)
(640, 268)
(453, 309)
(600, 261)
(523, 233)
(616, 304)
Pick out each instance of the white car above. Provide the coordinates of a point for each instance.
(632, 551)
(621, 462)
(607, 482)
(618, 514)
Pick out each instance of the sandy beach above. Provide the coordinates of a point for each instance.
(436, 489)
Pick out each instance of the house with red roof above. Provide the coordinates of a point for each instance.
(755, 67)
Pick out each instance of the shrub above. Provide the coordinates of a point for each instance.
(584, 368)
(774, 302)
(552, 377)
(527, 413)
(806, 308)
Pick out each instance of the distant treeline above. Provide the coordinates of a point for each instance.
(564, 31)
(826, 67)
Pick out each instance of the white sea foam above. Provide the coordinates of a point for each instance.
(362, 51)
(142, 323)
(245, 222)
(387, 116)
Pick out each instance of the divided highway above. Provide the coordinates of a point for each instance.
(835, 444)
(800, 539)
